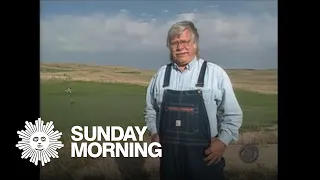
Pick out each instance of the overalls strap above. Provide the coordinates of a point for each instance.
(167, 74)
(200, 82)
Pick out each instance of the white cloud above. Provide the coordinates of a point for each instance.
(101, 33)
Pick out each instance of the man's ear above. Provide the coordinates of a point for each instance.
(195, 45)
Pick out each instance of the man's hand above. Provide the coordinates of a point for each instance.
(215, 151)
(155, 138)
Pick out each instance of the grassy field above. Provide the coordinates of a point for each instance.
(103, 104)
(115, 96)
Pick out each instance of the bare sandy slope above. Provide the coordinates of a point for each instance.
(121, 168)
(267, 160)
(264, 81)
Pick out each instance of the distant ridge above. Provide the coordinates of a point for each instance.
(262, 81)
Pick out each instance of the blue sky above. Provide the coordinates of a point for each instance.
(233, 34)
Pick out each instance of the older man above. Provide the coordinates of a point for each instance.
(192, 110)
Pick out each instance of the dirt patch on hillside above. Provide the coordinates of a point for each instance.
(66, 167)
(264, 81)
(148, 168)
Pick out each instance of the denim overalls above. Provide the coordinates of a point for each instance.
(184, 134)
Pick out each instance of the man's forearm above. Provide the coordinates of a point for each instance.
(151, 124)
(229, 130)
(149, 110)
(231, 112)
(150, 118)
(231, 121)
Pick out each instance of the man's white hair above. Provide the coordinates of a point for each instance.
(178, 28)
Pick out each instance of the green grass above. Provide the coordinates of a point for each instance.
(105, 104)
(54, 70)
(259, 110)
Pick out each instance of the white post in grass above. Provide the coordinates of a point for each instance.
(69, 92)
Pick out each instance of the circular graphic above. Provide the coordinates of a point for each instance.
(249, 153)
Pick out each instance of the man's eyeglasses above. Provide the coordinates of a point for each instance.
(184, 43)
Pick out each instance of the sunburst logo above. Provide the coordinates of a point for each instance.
(39, 142)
